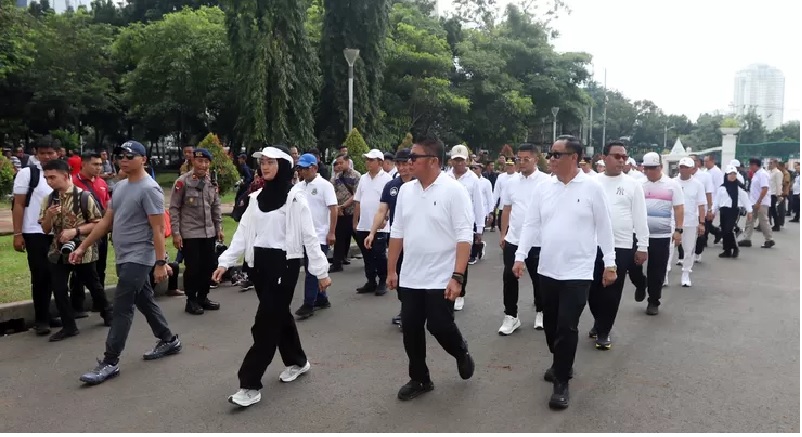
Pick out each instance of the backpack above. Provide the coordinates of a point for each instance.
(81, 206)
(33, 182)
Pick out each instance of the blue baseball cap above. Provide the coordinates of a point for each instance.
(307, 160)
(202, 153)
(131, 147)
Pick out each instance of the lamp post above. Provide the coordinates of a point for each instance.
(554, 112)
(350, 56)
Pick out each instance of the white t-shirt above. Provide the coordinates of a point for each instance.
(707, 182)
(30, 219)
(627, 209)
(518, 194)
(694, 194)
(638, 176)
(760, 180)
(369, 194)
(470, 181)
(431, 222)
(661, 198)
(717, 176)
(320, 195)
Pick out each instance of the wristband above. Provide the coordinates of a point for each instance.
(16, 234)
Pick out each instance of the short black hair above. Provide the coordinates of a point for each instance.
(57, 165)
(45, 142)
(433, 147)
(344, 156)
(88, 156)
(187, 145)
(527, 147)
(756, 161)
(573, 145)
(610, 145)
(315, 151)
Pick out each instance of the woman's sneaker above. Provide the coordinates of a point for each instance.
(245, 398)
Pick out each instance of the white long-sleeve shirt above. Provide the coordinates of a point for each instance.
(627, 209)
(498, 190)
(573, 220)
(487, 195)
(470, 181)
(722, 199)
(289, 228)
(517, 195)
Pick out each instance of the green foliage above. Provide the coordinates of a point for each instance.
(406, 143)
(6, 176)
(227, 174)
(753, 130)
(730, 122)
(69, 140)
(356, 148)
(787, 132)
(17, 51)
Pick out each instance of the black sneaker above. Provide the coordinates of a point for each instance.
(193, 308)
(397, 320)
(652, 310)
(413, 389)
(81, 315)
(466, 366)
(472, 260)
(335, 268)
(768, 244)
(717, 239)
(245, 285)
(41, 329)
(63, 334)
(559, 397)
(164, 348)
(548, 375)
(603, 343)
(725, 254)
(209, 305)
(745, 243)
(322, 304)
(640, 294)
(100, 373)
(592, 333)
(735, 252)
(369, 287)
(305, 312)
(381, 289)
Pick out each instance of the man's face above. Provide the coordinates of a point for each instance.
(653, 174)
(420, 166)
(404, 168)
(294, 154)
(339, 164)
(45, 154)
(754, 167)
(308, 174)
(241, 160)
(200, 166)
(373, 165)
(104, 156)
(57, 180)
(796, 167)
(773, 164)
(615, 160)
(387, 165)
(686, 172)
(459, 165)
(343, 150)
(188, 151)
(92, 167)
(563, 161)
(709, 162)
(527, 161)
(131, 162)
(20, 152)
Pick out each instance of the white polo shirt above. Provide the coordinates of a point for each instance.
(573, 221)
(693, 194)
(707, 182)
(517, 194)
(717, 176)
(470, 181)
(369, 194)
(627, 209)
(30, 218)
(760, 180)
(431, 222)
(320, 195)
(498, 189)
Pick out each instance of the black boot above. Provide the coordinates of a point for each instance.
(193, 308)
(209, 305)
(369, 287)
(559, 397)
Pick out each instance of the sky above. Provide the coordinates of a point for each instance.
(683, 54)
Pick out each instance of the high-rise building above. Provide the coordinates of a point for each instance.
(761, 88)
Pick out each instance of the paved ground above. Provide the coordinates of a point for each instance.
(722, 356)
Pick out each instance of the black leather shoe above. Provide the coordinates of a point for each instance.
(335, 268)
(381, 289)
(652, 310)
(559, 398)
(209, 305)
(42, 330)
(725, 254)
(193, 308)
(548, 376)
(108, 316)
(640, 294)
(164, 348)
(466, 366)
(369, 287)
(305, 312)
(63, 334)
(413, 389)
(81, 315)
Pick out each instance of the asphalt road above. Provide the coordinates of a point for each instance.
(722, 356)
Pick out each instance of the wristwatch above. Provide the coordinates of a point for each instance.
(678, 230)
(612, 268)
(161, 262)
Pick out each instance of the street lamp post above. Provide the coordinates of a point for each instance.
(554, 112)
(350, 56)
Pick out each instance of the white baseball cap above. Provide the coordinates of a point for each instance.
(601, 163)
(651, 159)
(735, 163)
(459, 151)
(687, 162)
(374, 154)
(275, 153)
(730, 169)
(631, 161)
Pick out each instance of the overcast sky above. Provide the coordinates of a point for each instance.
(683, 54)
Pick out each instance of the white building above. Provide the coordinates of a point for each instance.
(762, 88)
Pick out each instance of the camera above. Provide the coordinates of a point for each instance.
(68, 247)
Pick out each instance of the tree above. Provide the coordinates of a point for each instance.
(407, 143)
(17, 50)
(356, 148)
(787, 132)
(6, 176)
(363, 25)
(276, 71)
(752, 130)
(226, 173)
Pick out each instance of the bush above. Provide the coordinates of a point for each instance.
(68, 139)
(356, 148)
(227, 174)
(406, 143)
(730, 122)
(6, 176)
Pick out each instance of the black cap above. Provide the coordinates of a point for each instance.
(389, 156)
(402, 155)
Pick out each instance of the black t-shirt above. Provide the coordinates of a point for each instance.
(390, 194)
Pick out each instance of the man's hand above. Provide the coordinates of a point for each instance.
(453, 290)
(700, 230)
(217, 276)
(677, 237)
(178, 242)
(369, 241)
(220, 235)
(748, 216)
(159, 273)
(19, 243)
(641, 257)
(52, 211)
(518, 269)
(609, 277)
(68, 235)
(331, 239)
(324, 283)
(392, 280)
(502, 243)
(77, 255)
(756, 208)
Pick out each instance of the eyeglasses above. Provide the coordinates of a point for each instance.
(558, 155)
(617, 156)
(128, 156)
(414, 157)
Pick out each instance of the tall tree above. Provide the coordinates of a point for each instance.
(358, 24)
(276, 70)
(787, 132)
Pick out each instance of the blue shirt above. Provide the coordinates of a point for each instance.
(390, 194)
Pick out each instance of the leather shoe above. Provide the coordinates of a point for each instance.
(193, 308)
(209, 305)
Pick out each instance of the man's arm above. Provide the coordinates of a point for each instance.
(505, 221)
(379, 218)
(157, 224)
(217, 213)
(357, 211)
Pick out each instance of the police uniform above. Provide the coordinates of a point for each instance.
(196, 217)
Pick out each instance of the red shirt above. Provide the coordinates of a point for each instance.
(75, 164)
(96, 186)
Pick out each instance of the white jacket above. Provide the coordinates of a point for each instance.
(722, 199)
(299, 234)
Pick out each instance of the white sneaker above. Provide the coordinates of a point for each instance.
(510, 325)
(665, 281)
(459, 303)
(686, 279)
(679, 262)
(698, 258)
(539, 320)
(484, 250)
(292, 373)
(245, 398)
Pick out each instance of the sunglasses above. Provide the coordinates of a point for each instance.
(128, 156)
(558, 155)
(414, 157)
(617, 156)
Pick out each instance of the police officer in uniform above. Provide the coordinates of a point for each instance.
(196, 220)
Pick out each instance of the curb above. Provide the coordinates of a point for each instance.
(15, 316)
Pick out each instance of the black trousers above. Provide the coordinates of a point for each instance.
(343, 232)
(274, 278)
(510, 282)
(775, 221)
(36, 248)
(780, 213)
(604, 301)
(432, 309)
(476, 248)
(795, 206)
(655, 270)
(563, 303)
(77, 291)
(709, 229)
(200, 261)
(86, 274)
(728, 218)
(375, 258)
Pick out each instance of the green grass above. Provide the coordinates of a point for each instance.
(15, 277)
